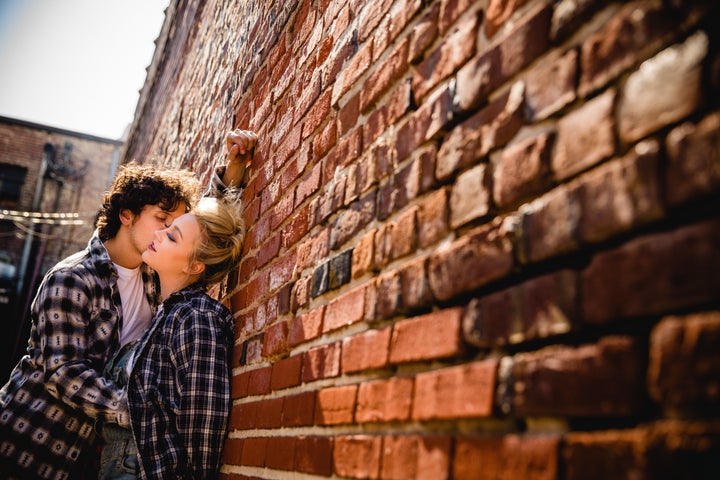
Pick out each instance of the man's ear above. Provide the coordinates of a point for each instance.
(126, 216)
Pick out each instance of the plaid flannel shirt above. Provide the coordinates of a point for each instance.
(179, 387)
(49, 406)
(56, 393)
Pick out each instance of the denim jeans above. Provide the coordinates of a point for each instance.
(119, 459)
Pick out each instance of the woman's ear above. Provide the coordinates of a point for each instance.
(196, 268)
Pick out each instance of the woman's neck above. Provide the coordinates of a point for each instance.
(171, 284)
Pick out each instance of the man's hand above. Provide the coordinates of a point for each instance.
(241, 148)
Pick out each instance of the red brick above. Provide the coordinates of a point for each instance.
(432, 217)
(259, 381)
(570, 16)
(549, 225)
(499, 12)
(254, 452)
(585, 136)
(280, 453)
(321, 362)
(296, 229)
(414, 284)
(517, 48)
(693, 160)
(314, 455)
(545, 98)
(424, 33)
(275, 339)
(386, 73)
(314, 250)
(428, 337)
(464, 391)
(365, 351)
(601, 379)
(604, 454)
(347, 117)
(479, 257)
(299, 410)
(664, 89)
(300, 297)
(457, 49)
(470, 196)
(403, 235)
(523, 170)
(306, 327)
(335, 405)
(286, 372)
(232, 451)
(269, 413)
(491, 127)
(684, 369)
(689, 274)
(363, 254)
(621, 195)
(357, 456)
(345, 309)
(244, 416)
(308, 185)
(417, 457)
(509, 457)
(427, 122)
(628, 36)
(325, 140)
(353, 220)
(384, 400)
(282, 271)
(538, 308)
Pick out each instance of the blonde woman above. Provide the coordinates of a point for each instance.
(177, 374)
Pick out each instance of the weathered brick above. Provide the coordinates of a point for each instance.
(626, 38)
(259, 381)
(664, 89)
(569, 15)
(540, 307)
(601, 379)
(275, 339)
(314, 250)
(429, 121)
(490, 128)
(336, 405)
(428, 337)
(464, 391)
(523, 170)
(404, 234)
(364, 254)
(447, 58)
(357, 65)
(604, 454)
(470, 196)
(418, 457)
(499, 12)
(389, 294)
(357, 456)
(352, 220)
(321, 362)
(414, 285)
(432, 217)
(549, 225)
(365, 351)
(684, 369)
(477, 258)
(689, 274)
(386, 73)
(508, 457)
(424, 33)
(340, 269)
(585, 136)
(384, 400)
(693, 160)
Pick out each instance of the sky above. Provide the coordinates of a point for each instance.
(76, 64)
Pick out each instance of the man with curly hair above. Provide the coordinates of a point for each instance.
(88, 306)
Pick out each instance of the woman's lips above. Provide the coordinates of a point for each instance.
(152, 247)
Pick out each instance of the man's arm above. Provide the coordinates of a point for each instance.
(241, 148)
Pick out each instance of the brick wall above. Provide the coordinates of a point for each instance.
(483, 235)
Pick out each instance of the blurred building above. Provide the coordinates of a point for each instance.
(51, 184)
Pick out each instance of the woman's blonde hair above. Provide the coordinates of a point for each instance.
(222, 233)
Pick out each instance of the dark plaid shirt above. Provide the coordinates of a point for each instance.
(49, 406)
(179, 387)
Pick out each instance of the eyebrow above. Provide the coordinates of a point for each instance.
(177, 229)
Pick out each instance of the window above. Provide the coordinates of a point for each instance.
(12, 179)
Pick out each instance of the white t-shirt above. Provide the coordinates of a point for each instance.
(135, 307)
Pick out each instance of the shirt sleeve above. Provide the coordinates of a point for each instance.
(201, 353)
(64, 322)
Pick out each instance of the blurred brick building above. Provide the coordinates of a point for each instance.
(51, 184)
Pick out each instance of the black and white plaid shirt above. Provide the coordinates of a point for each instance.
(179, 387)
(49, 406)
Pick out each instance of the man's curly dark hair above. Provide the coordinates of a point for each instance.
(136, 186)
